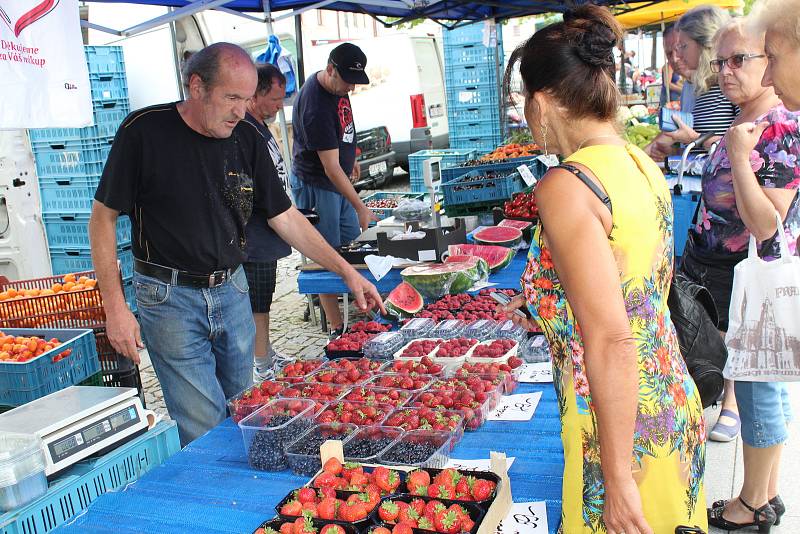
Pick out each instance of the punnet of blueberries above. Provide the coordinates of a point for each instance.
(363, 448)
(266, 451)
(303, 456)
(405, 452)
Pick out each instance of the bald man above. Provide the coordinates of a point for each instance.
(190, 174)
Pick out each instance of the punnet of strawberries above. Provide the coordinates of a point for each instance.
(315, 390)
(352, 376)
(497, 348)
(358, 413)
(465, 307)
(449, 484)
(455, 348)
(426, 366)
(420, 347)
(297, 370)
(348, 342)
(372, 327)
(255, 397)
(521, 206)
(301, 525)
(376, 395)
(470, 397)
(353, 477)
(427, 514)
(426, 419)
(401, 381)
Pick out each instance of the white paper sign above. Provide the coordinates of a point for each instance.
(548, 159)
(527, 175)
(427, 255)
(516, 407)
(476, 465)
(525, 518)
(45, 80)
(533, 373)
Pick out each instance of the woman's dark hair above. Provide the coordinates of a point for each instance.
(573, 62)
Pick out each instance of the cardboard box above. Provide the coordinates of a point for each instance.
(429, 248)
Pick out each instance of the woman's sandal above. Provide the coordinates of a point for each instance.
(763, 518)
(776, 502)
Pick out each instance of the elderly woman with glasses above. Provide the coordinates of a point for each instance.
(752, 175)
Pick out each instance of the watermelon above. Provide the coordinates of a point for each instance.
(496, 257)
(483, 268)
(404, 301)
(513, 223)
(498, 235)
(436, 281)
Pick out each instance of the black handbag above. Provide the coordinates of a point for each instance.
(695, 318)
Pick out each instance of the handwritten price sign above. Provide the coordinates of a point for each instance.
(525, 518)
(476, 465)
(536, 373)
(516, 407)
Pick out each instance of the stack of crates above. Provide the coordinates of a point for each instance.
(448, 158)
(473, 76)
(69, 163)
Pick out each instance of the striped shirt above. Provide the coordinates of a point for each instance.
(713, 112)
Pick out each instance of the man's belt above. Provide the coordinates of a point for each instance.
(182, 278)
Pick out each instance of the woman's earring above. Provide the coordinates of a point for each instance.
(544, 137)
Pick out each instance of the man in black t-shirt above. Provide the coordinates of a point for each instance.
(189, 175)
(324, 155)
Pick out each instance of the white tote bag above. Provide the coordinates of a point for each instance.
(763, 336)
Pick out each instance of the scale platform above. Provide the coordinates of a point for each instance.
(78, 422)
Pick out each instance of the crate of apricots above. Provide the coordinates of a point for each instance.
(65, 301)
(37, 362)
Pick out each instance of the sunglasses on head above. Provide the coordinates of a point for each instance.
(734, 62)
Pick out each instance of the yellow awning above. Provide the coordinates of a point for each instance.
(668, 11)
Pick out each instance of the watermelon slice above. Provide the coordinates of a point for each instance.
(513, 223)
(498, 235)
(436, 281)
(404, 301)
(496, 257)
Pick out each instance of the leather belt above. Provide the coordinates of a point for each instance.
(182, 278)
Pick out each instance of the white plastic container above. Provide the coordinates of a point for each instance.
(483, 359)
(399, 354)
(22, 464)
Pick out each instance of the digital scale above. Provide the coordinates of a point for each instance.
(79, 422)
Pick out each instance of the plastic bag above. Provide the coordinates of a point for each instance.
(412, 211)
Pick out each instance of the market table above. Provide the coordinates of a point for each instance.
(325, 282)
(208, 487)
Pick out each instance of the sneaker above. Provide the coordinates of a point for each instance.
(723, 431)
(333, 334)
(260, 374)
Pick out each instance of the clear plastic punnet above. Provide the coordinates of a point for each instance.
(417, 328)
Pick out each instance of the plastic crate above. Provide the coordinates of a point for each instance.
(473, 113)
(459, 75)
(493, 189)
(110, 360)
(82, 309)
(467, 96)
(72, 231)
(104, 59)
(73, 492)
(468, 34)
(472, 54)
(480, 144)
(683, 209)
(66, 199)
(22, 382)
(71, 159)
(108, 86)
(448, 156)
(106, 122)
(72, 260)
(451, 173)
(383, 213)
(489, 128)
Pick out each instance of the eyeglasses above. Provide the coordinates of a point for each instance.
(734, 62)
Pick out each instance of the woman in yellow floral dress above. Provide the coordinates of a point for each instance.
(597, 280)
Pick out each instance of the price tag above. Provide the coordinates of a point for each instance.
(550, 160)
(533, 373)
(516, 407)
(427, 255)
(525, 518)
(527, 175)
(476, 465)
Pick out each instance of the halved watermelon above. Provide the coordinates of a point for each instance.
(435, 281)
(498, 235)
(497, 257)
(404, 301)
(513, 223)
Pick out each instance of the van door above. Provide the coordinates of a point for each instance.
(431, 79)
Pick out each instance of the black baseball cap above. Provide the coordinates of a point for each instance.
(350, 62)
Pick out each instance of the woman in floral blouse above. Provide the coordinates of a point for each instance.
(753, 173)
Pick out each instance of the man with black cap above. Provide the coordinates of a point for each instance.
(324, 155)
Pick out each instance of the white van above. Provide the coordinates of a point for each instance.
(406, 91)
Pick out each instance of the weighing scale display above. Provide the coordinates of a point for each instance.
(93, 433)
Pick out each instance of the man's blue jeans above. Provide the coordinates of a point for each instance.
(201, 343)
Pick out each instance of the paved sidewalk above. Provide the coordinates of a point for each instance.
(724, 471)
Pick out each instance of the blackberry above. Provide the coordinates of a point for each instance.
(266, 451)
(410, 453)
(365, 448)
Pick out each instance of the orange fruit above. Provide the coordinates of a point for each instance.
(69, 285)
(90, 283)
(69, 278)
(77, 287)
(47, 292)
(3, 295)
(12, 292)
(57, 288)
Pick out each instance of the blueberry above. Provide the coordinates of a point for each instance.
(410, 453)
(309, 446)
(364, 448)
(266, 452)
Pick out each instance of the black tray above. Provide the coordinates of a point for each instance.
(276, 523)
(484, 475)
(358, 526)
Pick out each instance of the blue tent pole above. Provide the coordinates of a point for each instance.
(287, 155)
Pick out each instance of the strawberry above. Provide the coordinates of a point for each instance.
(333, 466)
(380, 530)
(388, 512)
(349, 468)
(448, 477)
(373, 493)
(310, 508)
(417, 479)
(482, 489)
(462, 488)
(326, 509)
(402, 528)
(408, 515)
(359, 509)
(287, 528)
(467, 524)
(292, 508)
(418, 505)
(332, 529)
(432, 508)
(268, 530)
(425, 523)
(305, 495)
(386, 479)
(304, 525)
(326, 480)
(327, 492)
(447, 522)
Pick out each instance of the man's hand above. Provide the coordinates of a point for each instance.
(123, 333)
(364, 293)
(365, 216)
(659, 148)
(356, 176)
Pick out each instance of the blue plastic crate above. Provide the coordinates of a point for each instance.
(104, 59)
(130, 293)
(482, 128)
(470, 75)
(108, 88)
(449, 156)
(76, 260)
(469, 34)
(383, 213)
(65, 232)
(683, 208)
(484, 187)
(473, 113)
(71, 159)
(473, 54)
(73, 492)
(480, 144)
(451, 173)
(66, 199)
(106, 123)
(468, 96)
(22, 382)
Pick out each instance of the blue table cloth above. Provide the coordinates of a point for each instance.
(208, 487)
(326, 282)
